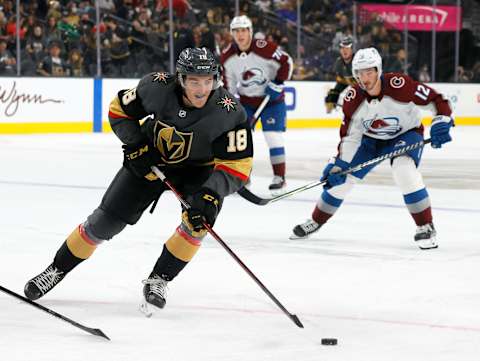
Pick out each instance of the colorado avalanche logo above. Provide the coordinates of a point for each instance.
(253, 76)
(397, 82)
(380, 127)
(350, 95)
(261, 43)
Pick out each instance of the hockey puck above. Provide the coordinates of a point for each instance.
(329, 341)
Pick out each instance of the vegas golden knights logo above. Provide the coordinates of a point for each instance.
(174, 146)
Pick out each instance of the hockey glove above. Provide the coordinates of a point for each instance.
(138, 159)
(440, 130)
(274, 90)
(330, 173)
(331, 100)
(329, 107)
(205, 205)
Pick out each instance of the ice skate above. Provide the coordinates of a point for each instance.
(155, 290)
(43, 283)
(425, 237)
(304, 230)
(278, 185)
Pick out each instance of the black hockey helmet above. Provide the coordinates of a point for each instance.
(197, 61)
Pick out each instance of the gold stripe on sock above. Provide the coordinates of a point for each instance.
(182, 248)
(79, 247)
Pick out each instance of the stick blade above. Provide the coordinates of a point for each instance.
(249, 196)
(296, 320)
(98, 332)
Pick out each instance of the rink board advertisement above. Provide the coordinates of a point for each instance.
(39, 105)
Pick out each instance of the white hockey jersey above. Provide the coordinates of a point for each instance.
(394, 112)
(248, 73)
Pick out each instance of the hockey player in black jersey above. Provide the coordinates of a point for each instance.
(343, 73)
(198, 135)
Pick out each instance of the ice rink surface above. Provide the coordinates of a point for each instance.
(361, 279)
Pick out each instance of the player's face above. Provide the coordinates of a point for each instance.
(197, 89)
(369, 80)
(243, 38)
(346, 53)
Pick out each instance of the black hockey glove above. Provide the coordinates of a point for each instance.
(332, 96)
(205, 205)
(138, 158)
(331, 100)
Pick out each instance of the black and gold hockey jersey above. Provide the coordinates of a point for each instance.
(216, 135)
(343, 77)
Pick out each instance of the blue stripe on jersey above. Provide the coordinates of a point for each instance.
(416, 196)
(277, 151)
(331, 200)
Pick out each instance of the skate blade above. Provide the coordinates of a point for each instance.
(278, 192)
(426, 248)
(425, 244)
(295, 237)
(145, 309)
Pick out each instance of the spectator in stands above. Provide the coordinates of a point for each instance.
(3, 23)
(286, 9)
(397, 63)
(463, 76)
(11, 29)
(183, 37)
(125, 9)
(8, 10)
(180, 7)
(75, 63)
(116, 39)
(207, 39)
(28, 25)
(300, 72)
(140, 28)
(53, 64)
(324, 23)
(214, 18)
(54, 10)
(36, 45)
(106, 6)
(264, 5)
(52, 32)
(476, 72)
(424, 74)
(71, 15)
(7, 61)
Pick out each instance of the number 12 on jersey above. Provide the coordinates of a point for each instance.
(422, 92)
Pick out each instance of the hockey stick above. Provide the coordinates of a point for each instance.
(93, 331)
(210, 230)
(259, 110)
(253, 198)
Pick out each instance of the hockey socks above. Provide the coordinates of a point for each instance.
(77, 248)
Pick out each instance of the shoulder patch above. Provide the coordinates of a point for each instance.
(351, 94)
(260, 43)
(227, 103)
(397, 82)
(161, 78)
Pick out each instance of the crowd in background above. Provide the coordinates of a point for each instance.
(58, 37)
